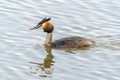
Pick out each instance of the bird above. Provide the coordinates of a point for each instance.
(67, 42)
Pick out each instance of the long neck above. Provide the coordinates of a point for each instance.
(48, 39)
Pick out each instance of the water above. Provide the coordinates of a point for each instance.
(24, 57)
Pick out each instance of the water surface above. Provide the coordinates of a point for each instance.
(24, 57)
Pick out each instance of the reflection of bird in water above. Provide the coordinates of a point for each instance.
(46, 66)
(69, 42)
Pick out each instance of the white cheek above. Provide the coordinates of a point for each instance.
(43, 26)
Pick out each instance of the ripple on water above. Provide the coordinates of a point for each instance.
(98, 20)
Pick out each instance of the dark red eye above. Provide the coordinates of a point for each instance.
(40, 25)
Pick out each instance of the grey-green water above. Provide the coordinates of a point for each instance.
(24, 57)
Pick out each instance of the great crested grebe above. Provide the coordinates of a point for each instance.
(68, 42)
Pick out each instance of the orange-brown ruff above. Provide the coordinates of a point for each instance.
(68, 42)
(47, 26)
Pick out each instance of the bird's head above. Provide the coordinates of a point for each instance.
(45, 24)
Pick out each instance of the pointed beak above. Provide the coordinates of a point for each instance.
(40, 23)
(36, 27)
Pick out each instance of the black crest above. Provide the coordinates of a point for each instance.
(44, 20)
